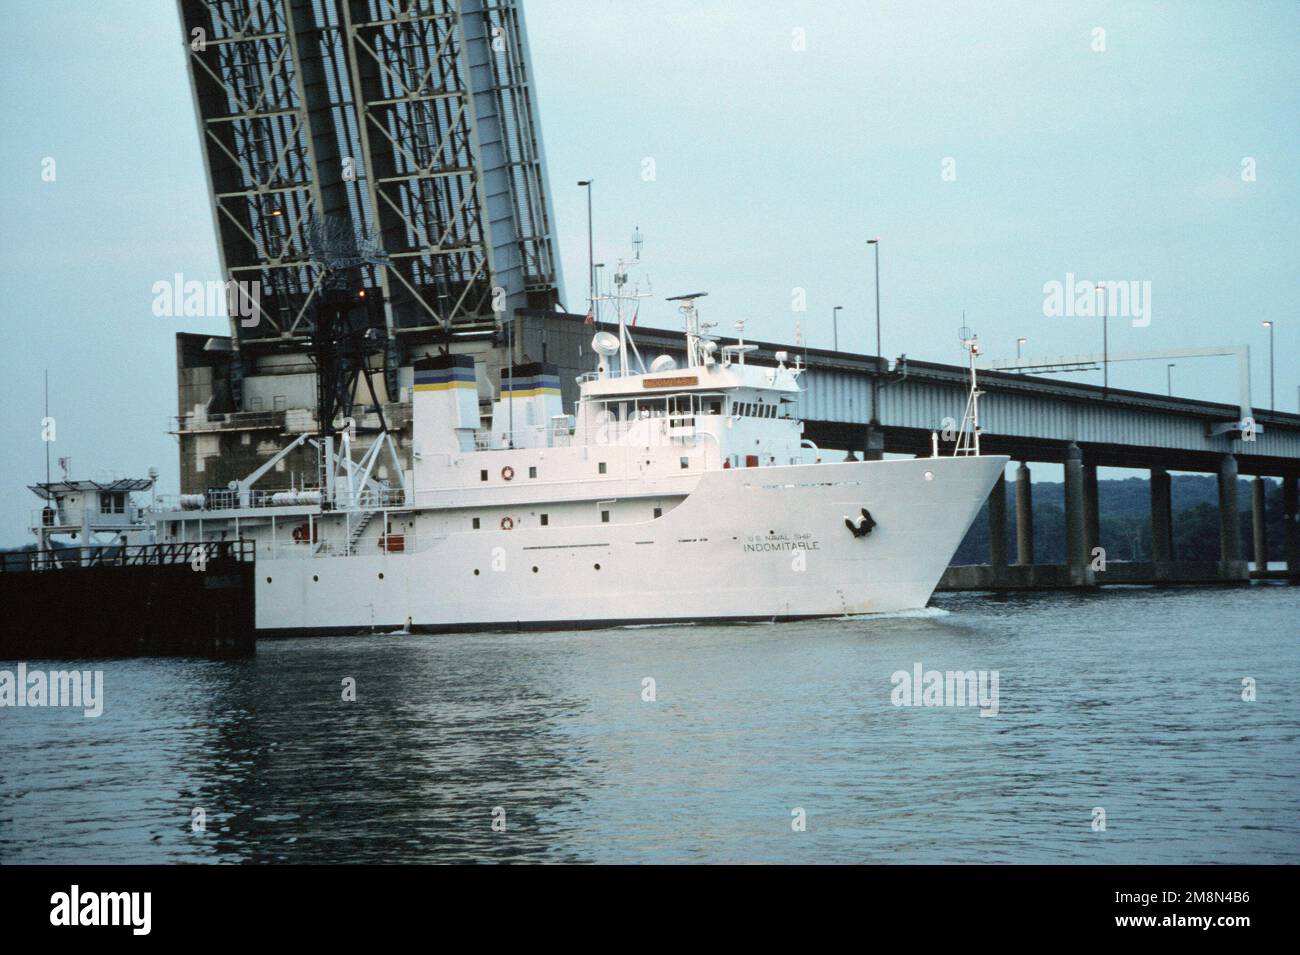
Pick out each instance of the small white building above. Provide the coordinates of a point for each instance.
(93, 514)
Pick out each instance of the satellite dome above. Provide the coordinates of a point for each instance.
(605, 344)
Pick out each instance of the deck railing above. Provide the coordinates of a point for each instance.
(119, 555)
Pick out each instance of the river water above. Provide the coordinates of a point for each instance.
(763, 743)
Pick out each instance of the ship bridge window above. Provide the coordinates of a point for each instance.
(681, 404)
(112, 502)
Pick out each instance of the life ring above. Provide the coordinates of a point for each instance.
(507, 523)
(508, 473)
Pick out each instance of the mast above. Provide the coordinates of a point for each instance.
(620, 278)
(968, 441)
(47, 424)
(619, 297)
(692, 317)
(42, 535)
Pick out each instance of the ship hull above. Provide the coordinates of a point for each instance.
(746, 545)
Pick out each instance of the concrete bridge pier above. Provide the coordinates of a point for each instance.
(1024, 516)
(1231, 564)
(998, 527)
(1291, 514)
(1162, 523)
(1091, 509)
(873, 444)
(1259, 533)
(1076, 523)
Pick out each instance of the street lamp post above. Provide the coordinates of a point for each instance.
(591, 260)
(1169, 378)
(1105, 341)
(1272, 401)
(835, 321)
(875, 380)
(1019, 342)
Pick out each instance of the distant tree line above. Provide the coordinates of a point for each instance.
(1125, 521)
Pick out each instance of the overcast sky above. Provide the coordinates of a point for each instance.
(993, 148)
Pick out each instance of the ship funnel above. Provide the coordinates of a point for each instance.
(528, 406)
(444, 404)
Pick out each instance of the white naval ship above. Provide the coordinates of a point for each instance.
(673, 494)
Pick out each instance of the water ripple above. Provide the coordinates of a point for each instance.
(1128, 701)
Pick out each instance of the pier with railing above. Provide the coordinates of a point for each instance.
(117, 601)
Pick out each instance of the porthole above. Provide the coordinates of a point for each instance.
(381, 576)
(534, 570)
(315, 579)
(598, 566)
(475, 571)
(268, 580)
